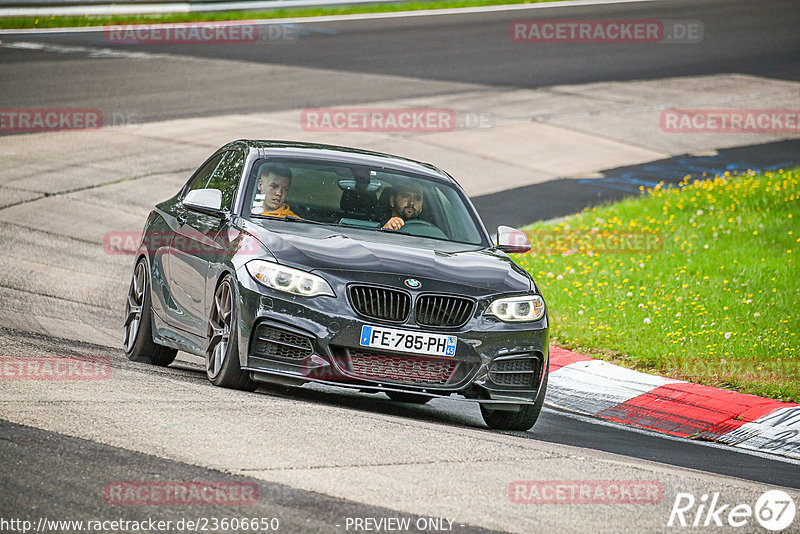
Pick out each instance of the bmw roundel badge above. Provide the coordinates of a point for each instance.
(413, 283)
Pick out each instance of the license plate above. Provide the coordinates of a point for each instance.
(378, 337)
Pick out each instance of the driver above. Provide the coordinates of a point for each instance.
(406, 203)
(274, 184)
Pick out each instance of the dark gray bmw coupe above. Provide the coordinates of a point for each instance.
(289, 263)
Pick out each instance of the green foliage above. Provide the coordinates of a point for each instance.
(698, 282)
(213, 16)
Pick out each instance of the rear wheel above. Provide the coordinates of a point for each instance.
(408, 397)
(139, 345)
(524, 419)
(222, 354)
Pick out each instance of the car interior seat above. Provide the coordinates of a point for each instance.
(383, 209)
(358, 204)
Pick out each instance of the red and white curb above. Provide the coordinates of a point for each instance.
(593, 387)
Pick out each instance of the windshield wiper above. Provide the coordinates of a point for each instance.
(357, 225)
(276, 217)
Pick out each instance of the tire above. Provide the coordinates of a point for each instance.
(408, 397)
(138, 343)
(524, 419)
(222, 352)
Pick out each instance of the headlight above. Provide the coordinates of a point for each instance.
(288, 280)
(517, 309)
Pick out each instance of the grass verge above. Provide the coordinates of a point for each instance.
(217, 16)
(698, 283)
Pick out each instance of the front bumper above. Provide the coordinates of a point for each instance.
(292, 340)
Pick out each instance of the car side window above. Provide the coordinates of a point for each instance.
(459, 226)
(226, 177)
(202, 175)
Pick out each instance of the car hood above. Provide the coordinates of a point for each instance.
(324, 248)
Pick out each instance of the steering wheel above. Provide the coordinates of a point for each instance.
(421, 228)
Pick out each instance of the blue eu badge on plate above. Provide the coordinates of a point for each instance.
(451, 346)
(366, 333)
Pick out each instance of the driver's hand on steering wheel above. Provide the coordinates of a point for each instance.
(395, 223)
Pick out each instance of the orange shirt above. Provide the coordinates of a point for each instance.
(282, 211)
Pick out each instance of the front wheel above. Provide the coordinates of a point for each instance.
(524, 419)
(222, 353)
(139, 345)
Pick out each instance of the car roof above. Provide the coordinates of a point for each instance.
(342, 154)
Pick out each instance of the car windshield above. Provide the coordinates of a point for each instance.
(360, 197)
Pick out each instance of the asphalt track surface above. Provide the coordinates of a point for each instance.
(740, 36)
(88, 466)
(565, 196)
(43, 470)
(61, 477)
(85, 467)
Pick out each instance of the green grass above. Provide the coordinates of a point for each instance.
(715, 302)
(87, 20)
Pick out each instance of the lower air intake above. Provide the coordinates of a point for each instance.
(271, 342)
(521, 372)
(403, 369)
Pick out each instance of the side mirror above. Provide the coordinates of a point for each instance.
(205, 200)
(512, 241)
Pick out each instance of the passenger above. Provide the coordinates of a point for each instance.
(406, 203)
(274, 184)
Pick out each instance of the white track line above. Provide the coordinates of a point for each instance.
(91, 52)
